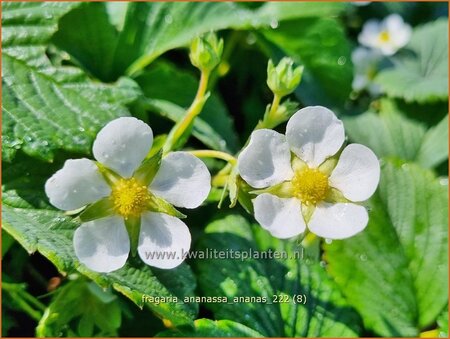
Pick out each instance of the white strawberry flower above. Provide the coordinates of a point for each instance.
(387, 36)
(303, 181)
(366, 64)
(128, 199)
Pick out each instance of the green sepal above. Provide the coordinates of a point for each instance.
(148, 169)
(99, 209)
(109, 175)
(133, 225)
(233, 187)
(244, 196)
(223, 195)
(282, 190)
(245, 199)
(158, 144)
(335, 195)
(159, 205)
(297, 164)
(307, 212)
(282, 114)
(328, 165)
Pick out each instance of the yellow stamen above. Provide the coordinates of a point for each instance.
(384, 36)
(310, 185)
(130, 198)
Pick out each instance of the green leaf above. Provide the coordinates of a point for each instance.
(443, 324)
(133, 226)
(23, 181)
(50, 233)
(42, 116)
(164, 81)
(159, 205)
(96, 311)
(93, 44)
(109, 40)
(294, 10)
(209, 328)
(163, 26)
(320, 44)
(391, 134)
(28, 26)
(325, 312)
(422, 77)
(99, 209)
(37, 83)
(148, 169)
(388, 134)
(434, 148)
(383, 271)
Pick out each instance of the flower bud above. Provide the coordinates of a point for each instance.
(206, 52)
(283, 79)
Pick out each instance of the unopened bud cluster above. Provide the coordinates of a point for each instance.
(283, 78)
(206, 52)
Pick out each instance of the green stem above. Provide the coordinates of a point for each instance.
(214, 154)
(24, 299)
(194, 110)
(270, 118)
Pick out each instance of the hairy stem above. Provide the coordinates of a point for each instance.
(194, 110)
(214, 154)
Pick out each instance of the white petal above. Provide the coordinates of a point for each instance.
(103, 244)
(388, 48)
(266, 161)
(360, 82)
(365, 60)
(314, 134)
(357, 173)
(75, 185)
(359, 58)
(122, 144)
(369, 35)
(281, 217)
(393, 23)
(338, 221)
(164, 240)
(402, 36)
(183, 180)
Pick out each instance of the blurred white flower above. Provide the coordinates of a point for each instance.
(365, 63)
(309, 187)
(121, 146)
(387, 36)
(361, 3)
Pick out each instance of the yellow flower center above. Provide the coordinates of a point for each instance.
(384, 36)
(310, 185)
(130, 198)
